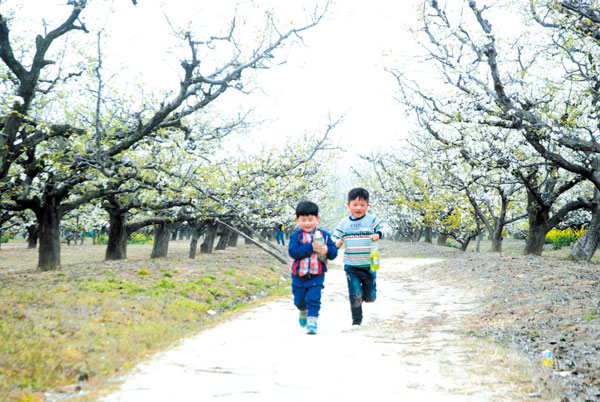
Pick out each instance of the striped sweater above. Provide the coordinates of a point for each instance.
(356, 234)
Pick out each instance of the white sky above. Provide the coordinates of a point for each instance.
(338, 71)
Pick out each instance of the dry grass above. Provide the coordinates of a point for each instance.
(78, 326)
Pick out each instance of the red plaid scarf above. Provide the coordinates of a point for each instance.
(309, 265)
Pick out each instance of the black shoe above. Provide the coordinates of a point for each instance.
(356, 322)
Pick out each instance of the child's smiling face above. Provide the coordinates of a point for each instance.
(358, 207)
(308, 223)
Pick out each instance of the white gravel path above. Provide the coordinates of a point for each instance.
(263, 355)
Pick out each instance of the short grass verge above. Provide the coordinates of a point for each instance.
(74, 328)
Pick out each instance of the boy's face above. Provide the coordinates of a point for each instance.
(358, 207)
(308, 223)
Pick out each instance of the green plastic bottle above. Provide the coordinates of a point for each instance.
(319, 239)
(374, 257)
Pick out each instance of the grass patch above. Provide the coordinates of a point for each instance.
(592, 316)
(79, 326)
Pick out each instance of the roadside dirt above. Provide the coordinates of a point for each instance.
(446, 325)
(526, 305)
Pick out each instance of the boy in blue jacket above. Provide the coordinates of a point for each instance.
(308, 263)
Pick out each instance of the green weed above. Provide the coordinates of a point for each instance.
(592, 316)
(98, 318)
(112, 285)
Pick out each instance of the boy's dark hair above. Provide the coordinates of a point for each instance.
(306, 208)
(359, 193)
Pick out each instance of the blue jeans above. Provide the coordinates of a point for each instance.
(362, 286)
(279, 237)
(307, 292)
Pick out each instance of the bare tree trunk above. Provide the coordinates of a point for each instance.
(233, 239)
(32, 236)
(464, 244)
(209, 239)
(441, 240)
(223, 239)
(162, 232)
(479, 235)
(585, 247)
(538, 216)
(196, 231)
(193, 246)
(48, 222)
(496, 237)
(248, 233)
(428, 235)
(416, 234)
(536, 237)
(116, 249)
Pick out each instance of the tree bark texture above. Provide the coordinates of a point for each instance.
(536, 237)
(209, 239)
(496, 238)
(48, 218)
(537, 216)
(416, 235)
(223, 239)
(585, 247)
(247, 240)
(196, 232)
(465, 244)
(193, 247)
(441, 240)
(162, 234)
(233, 239)
(428, 235)
(32, 236)
(116, 249)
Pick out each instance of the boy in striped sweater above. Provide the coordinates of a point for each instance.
(308, 263)
(358, 232)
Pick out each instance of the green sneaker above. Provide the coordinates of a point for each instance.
(311, 326)
(302, 318)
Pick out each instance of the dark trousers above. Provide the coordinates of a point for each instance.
(307, 292)
(279, 237)
(362, 286)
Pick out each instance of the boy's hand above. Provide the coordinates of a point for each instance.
(320, 249)
(374, 237)
(339, 243)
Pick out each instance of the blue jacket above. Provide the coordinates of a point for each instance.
(299, 251)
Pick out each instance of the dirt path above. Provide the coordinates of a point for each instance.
(411, 346)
